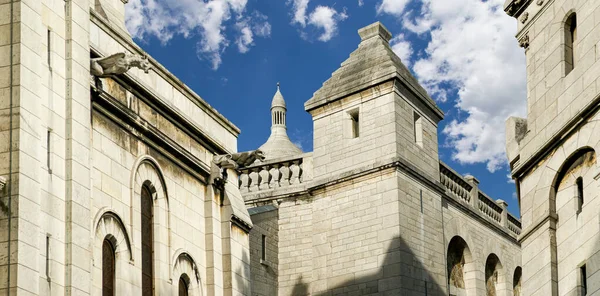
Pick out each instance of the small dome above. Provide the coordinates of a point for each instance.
(278, 100)
(279, 145)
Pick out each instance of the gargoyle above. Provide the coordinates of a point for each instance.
(118, 63)
(232, 161)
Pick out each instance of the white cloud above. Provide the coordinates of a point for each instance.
(473, 52)
(322, 17)
(167, 18)
(394, 7)
(326, 18)
(300, 7)
(402, 49)
(244, 41)
(361, 2)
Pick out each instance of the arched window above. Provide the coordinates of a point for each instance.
(147, 239)
(570, 43)
(517, 281)
(183, 285)
(493, 274)
(108, 268)
(460, 270)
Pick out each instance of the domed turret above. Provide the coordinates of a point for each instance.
(279, 145)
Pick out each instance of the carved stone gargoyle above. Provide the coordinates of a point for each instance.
(221, 163)
(118, 63)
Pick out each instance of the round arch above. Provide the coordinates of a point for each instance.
(461, 269)
(109, 226)
(495, 276)
(185, 266)
(517, 281)
(147, 173)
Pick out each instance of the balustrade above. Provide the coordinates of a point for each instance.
(271, 175)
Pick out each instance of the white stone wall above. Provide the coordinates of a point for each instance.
(556, 240)
(83, 185)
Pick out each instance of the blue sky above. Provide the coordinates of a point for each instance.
(233, 52)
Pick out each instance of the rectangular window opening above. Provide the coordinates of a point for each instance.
(49, 151)
(48, 257)
(263, 255)
(49, 53)
(354, 118)
(418, 124)
(580, 200)
(583, 273)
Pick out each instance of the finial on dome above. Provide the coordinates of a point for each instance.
(278, 100)
(277, 85)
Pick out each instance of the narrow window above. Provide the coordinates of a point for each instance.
(147, 239)
(583, 274)
(263, 255)
(183, 286)
(355, 122)
(48, 257)
(108, 268)
(418, 123)
(49, 47)
(579, 184)
(49, 151)
(570, 43)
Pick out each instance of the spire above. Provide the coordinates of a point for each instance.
(279, 145)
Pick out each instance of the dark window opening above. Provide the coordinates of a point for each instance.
(570, 43)
(579, 184)
(183, 286)
(354, 117)
(108, 268)
(147, 239)
(583, 280)
(263, 255)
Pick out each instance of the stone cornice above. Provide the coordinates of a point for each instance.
(559, 137)
(108, 106)
(552, 218)
(514, 8)
(128, 43)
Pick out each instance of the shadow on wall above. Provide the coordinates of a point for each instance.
(242, 273)
(401, 272)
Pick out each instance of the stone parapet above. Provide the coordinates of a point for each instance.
(461, 189)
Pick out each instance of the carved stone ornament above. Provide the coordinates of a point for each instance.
(232, 161)
(540, 2)
(118, 63)
(524, 17)
(524, 41)
(2, 183)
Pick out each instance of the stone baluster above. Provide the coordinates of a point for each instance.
(474, 194)
(275, 176)
(244, 181)
(255, 180)
(504, 214)
(265, 176)
(285, 173)
(296, 172)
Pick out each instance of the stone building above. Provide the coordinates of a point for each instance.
(372, 210)
(552, 152)
(117, 179)
(114, 173)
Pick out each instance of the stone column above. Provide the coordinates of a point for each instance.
(77, 158)
(474, 191)
(504, 216)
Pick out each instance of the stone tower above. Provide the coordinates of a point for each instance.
(279, 145)
(552, 151)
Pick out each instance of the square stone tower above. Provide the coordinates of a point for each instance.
(372, 110)
(552, 151)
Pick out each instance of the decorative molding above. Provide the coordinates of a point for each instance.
(524, 17)
(221, 163)
(524, 41)
(516, 7)
(2, 183)
(540, 2)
